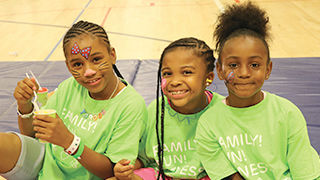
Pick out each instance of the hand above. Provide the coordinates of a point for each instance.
(23, 93)
(52, 130)
(123, 171)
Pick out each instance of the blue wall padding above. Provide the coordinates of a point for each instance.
(296, 79)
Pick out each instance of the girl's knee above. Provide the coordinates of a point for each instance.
(9, 141)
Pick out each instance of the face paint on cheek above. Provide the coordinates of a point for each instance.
(230, 77)
(85, 52)
(75, 74)
(163, 85)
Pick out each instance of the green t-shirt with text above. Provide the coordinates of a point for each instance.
(266, 141)
(180, 159)
(114, 132)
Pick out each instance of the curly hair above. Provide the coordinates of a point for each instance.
(245, 19)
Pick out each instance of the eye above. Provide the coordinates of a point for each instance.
(187, 72)
(255, 65)
(164, 74)
(233, 65)
(96, 59)
(77, 64)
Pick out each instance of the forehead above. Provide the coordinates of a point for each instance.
(181, 57)
(86, 40)
(244, 46)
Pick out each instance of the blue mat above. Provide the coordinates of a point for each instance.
(296, 79)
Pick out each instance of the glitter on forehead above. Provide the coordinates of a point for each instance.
(85, 52)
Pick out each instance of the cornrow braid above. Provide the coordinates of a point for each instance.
(200, 49)
(84, 27)
(245, 19)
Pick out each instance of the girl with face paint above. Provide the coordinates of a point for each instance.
(253, 132)
(168, 148)
(96, 111)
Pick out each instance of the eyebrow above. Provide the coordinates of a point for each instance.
(237, 57)
(76, 59)
(167, 68)
(96, 53)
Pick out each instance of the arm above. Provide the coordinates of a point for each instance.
(303, 160)
(53, 130)
(23, 93)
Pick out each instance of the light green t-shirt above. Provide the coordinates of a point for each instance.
(115, 134)
(266, 141)
(180, 159)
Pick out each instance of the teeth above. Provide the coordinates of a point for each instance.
(92, 81)
(177, 92)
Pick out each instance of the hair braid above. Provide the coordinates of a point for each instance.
(201, 49)
(84, 27)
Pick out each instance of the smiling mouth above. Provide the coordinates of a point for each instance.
(93, 81)
(178, 94)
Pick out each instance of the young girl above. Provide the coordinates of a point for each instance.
(98, 121)
(168, 145)
(263, 136)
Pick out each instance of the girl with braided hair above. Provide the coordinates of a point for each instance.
(96, 112)
(263, 136)
(168, 148)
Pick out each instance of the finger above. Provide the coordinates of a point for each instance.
(41, 123)
(44, 118)
(122, 169)
(21, 95)
(29, 83)
(41, 136)
(124, 162)
(40, 130)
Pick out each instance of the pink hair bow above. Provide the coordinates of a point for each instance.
(85, 52)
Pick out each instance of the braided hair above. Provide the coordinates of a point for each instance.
(200, 49)
(245, 19)
(84, 27)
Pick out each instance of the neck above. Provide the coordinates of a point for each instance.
(239, 102)
(114, 86)
(192, 107)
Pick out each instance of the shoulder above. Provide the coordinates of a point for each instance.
(129, 100)
(69, 83)
(281, 104)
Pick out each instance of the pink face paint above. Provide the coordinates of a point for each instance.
(163, 85)
(85, 52)
(89, 72)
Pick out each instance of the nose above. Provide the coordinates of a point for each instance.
(175, 81)
(243, 72)
(89, 72)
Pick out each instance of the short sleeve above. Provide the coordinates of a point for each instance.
(303, 160)
(124, 143)
(211, 155)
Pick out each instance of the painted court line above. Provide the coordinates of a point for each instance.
(55, 47)
(105, 17)
(36, 24)
(219, 4)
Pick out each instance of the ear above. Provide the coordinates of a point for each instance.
(113, 55)
(219, 71)
(268, 71)
(209, 77)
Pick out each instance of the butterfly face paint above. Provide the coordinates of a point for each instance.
(85, 52)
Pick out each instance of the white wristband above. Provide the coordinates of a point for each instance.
(73, 146)
(25, 116)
